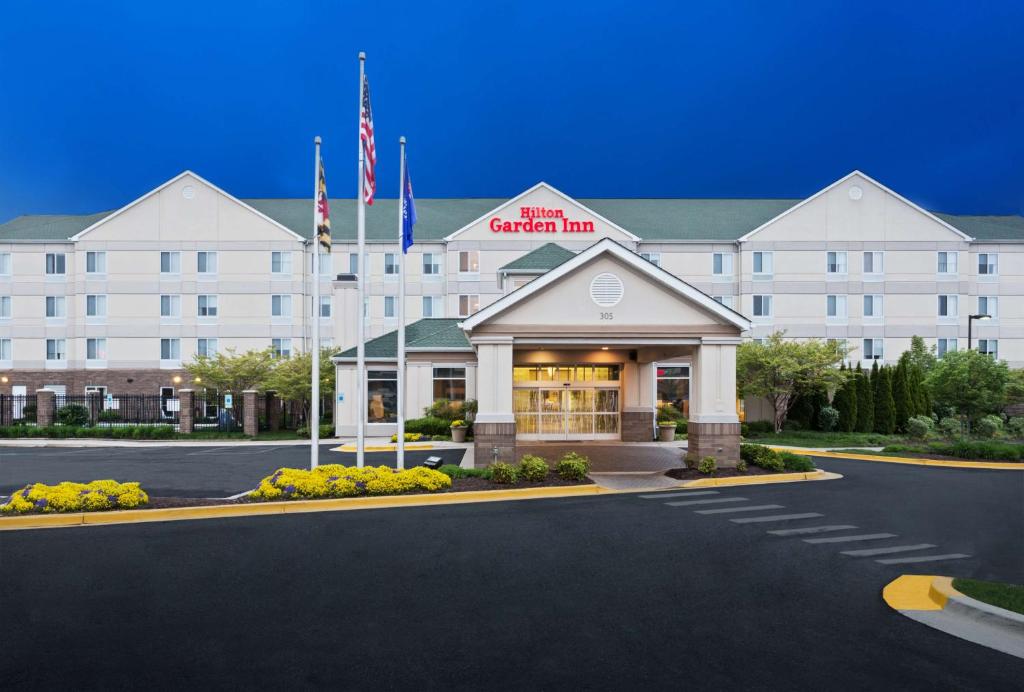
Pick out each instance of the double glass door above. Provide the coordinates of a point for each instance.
(583, 406)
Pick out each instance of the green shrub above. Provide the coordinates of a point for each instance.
(741, 466)
(951, 426)
(429, 425)
(707, 466)
(760, 427)
(454, 471)
(828, 419)
(1015, 427)
(108, 416)
(533, 468)
(326, 430)
(691, 462)
(73, 414)
(503, 473)
(988, 426)
(919, 427)
(667, 413)
(449, 411)
(573, 466)
(796, 462)
(790, 425)
(28, 413)
(682, 428)
(762, 456)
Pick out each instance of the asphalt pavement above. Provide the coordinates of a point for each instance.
(603, 592)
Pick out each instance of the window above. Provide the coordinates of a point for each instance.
(988, 264)
(55, 263)
(5, 307)
(727, 301)
(945, 346)
(764, 263)
(5, 350)
(5, 264)
(873, 306)
(326, 264)
(947, 263)
(762, 306)
(450, 383)
(170, 306)
(652, 257)
(721, 264)
(170, 349)
(873, 263)
(835, 306)
(390, 264)
(988, 305)
(947, 306)
(170, 262)
(95, 349)
(835, 262)
(95, 263)
(95, 306)
(206, 262)
(381, 396)
(206, 348)
(280, 306)
(207, 306)
(989, 347)
(325, 306)
(873, 349)
(389, 307)
(468, 305)
(431, 264)
(432, 306)
(56, 349)
(353, 263)
(282, 348)
(469, 262)
(281, 263)
(673, 387)
(55, 306)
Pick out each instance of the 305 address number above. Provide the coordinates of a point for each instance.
(607, 315)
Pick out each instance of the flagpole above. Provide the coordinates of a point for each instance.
(314, 404)
(361, 266)
(400, 458)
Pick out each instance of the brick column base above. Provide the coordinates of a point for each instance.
(46, 404)
(186, 410)
(718, 440)
(250, 415)
(273, 412)
(487, 437)
(637, 426)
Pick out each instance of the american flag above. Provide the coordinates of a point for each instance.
(369, 149)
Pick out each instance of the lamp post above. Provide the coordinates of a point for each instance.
(970, 322)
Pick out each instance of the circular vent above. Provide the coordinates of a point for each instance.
(856, 193)
(606, 290)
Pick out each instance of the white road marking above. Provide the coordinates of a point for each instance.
(922, 558)
(867, 552)
(737, 509)
(847, 539)
(812, 529)
(693, 493)
(776, 517)
(706, 502)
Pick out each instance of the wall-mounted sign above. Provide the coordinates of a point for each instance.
(228, 401)
(540, 220)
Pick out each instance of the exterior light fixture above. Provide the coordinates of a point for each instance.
(177, 379)
(198, 380)
(604, 348)
(3, 379)
(970, 322)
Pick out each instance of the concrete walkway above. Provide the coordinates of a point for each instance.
(614, 457)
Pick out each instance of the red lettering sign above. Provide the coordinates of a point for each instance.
(536, 220)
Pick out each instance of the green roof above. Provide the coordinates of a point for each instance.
(48, 226)
(432, 333)
(542, 259)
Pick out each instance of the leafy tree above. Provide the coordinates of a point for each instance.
(885, 407)
(865, 402)
(233, 372)
(778, 368)
(1015, 388)
(972, 383)
(291, 379)
(901, 394)
(922, 356)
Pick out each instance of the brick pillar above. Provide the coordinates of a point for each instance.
(186, 410)
(94, 402)
(273, 412)
(46, 404)
(250, 415)
(637, 426)
(488, 437)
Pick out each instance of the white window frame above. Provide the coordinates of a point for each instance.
(942, 346)
(838, 305)
(170, 309)
(991, 306)
(652, 257)
(991, 265)
(436, 306)
(326, 264)
(5, 307)
(989, 346)
(767, 258)
(353, 263)
(99, 262)
(173, 352)
(59, 263)
(173, 262)
(765, 302)
(390, 265)
(5, 264)
(6, 350)
(282, 347)
(877, 265)
(326, 302)
(206, 256)
(211, 305)
(203, 346)
(877, 306)
(98, 307)
(727, 301)
(952, 302)
(942, 258)
(60, 349)
(281, 305)
(466, 303)
(876, 353)
(390, 307)
(837, 263)
(722, 265)
(98, 346)
(60, 307)
(472, 263)
(282, 259)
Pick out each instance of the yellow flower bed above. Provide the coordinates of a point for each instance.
(75, 497)
(335, 480)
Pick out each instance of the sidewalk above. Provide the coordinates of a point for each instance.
(375, 442)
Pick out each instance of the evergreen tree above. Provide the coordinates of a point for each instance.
(845, 401)
(819, 400)
(865, 402)
(901, 394)
(885, 407)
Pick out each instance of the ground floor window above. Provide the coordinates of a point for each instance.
(674, 387)
(381, 396)
(450, 383)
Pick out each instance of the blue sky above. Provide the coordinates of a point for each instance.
(101, 102)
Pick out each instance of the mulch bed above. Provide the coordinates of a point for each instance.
(940, 457)
(464, 484)
(690, 474)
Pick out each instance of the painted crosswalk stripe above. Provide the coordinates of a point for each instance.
(737, 509)
(776, 517)
(847, 539)
(706, 502)
(868, 552)
(812, 529)
(922, 558)
(692, 493)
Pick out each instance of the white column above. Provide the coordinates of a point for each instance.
(713, 381)
(494, 379)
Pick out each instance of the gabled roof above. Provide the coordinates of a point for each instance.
(539, 260)
(609, 247)
(427, 334)
(48, 226)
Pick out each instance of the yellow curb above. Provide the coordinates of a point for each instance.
(383, 448)
(818, 475)
(135, 516)
(1001, 465)
(919, 592)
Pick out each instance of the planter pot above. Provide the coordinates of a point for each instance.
(666, 432)
(459, 434)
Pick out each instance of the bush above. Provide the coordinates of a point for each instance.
(458, 424)
(326, 430)
(449, 411)
(335, 480)
(828, 419)
(73, 414)
(667, 413)
(409, 437)
(759, 455)
(454, 471)
(988, 426)
(503, 473)
(75, 497)
(741, 466)
(533, 468)
(108, 416)
(790, 425)
(28, 413)
(134, 432)
(760, 427)
(707, 466)
(573, 466)
(918, 427)
(430, 425)
(951, 426)
(1015, 427)
(795, 462)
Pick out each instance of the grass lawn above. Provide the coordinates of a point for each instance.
(812, 438)
(1008, 596)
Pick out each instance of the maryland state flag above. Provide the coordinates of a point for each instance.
(323, 212)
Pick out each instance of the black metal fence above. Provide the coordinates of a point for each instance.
(15, 410)
(112, 411)
(218, 412)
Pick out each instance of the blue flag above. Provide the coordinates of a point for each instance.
(408, 212)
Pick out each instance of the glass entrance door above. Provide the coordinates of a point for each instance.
(566, 402)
